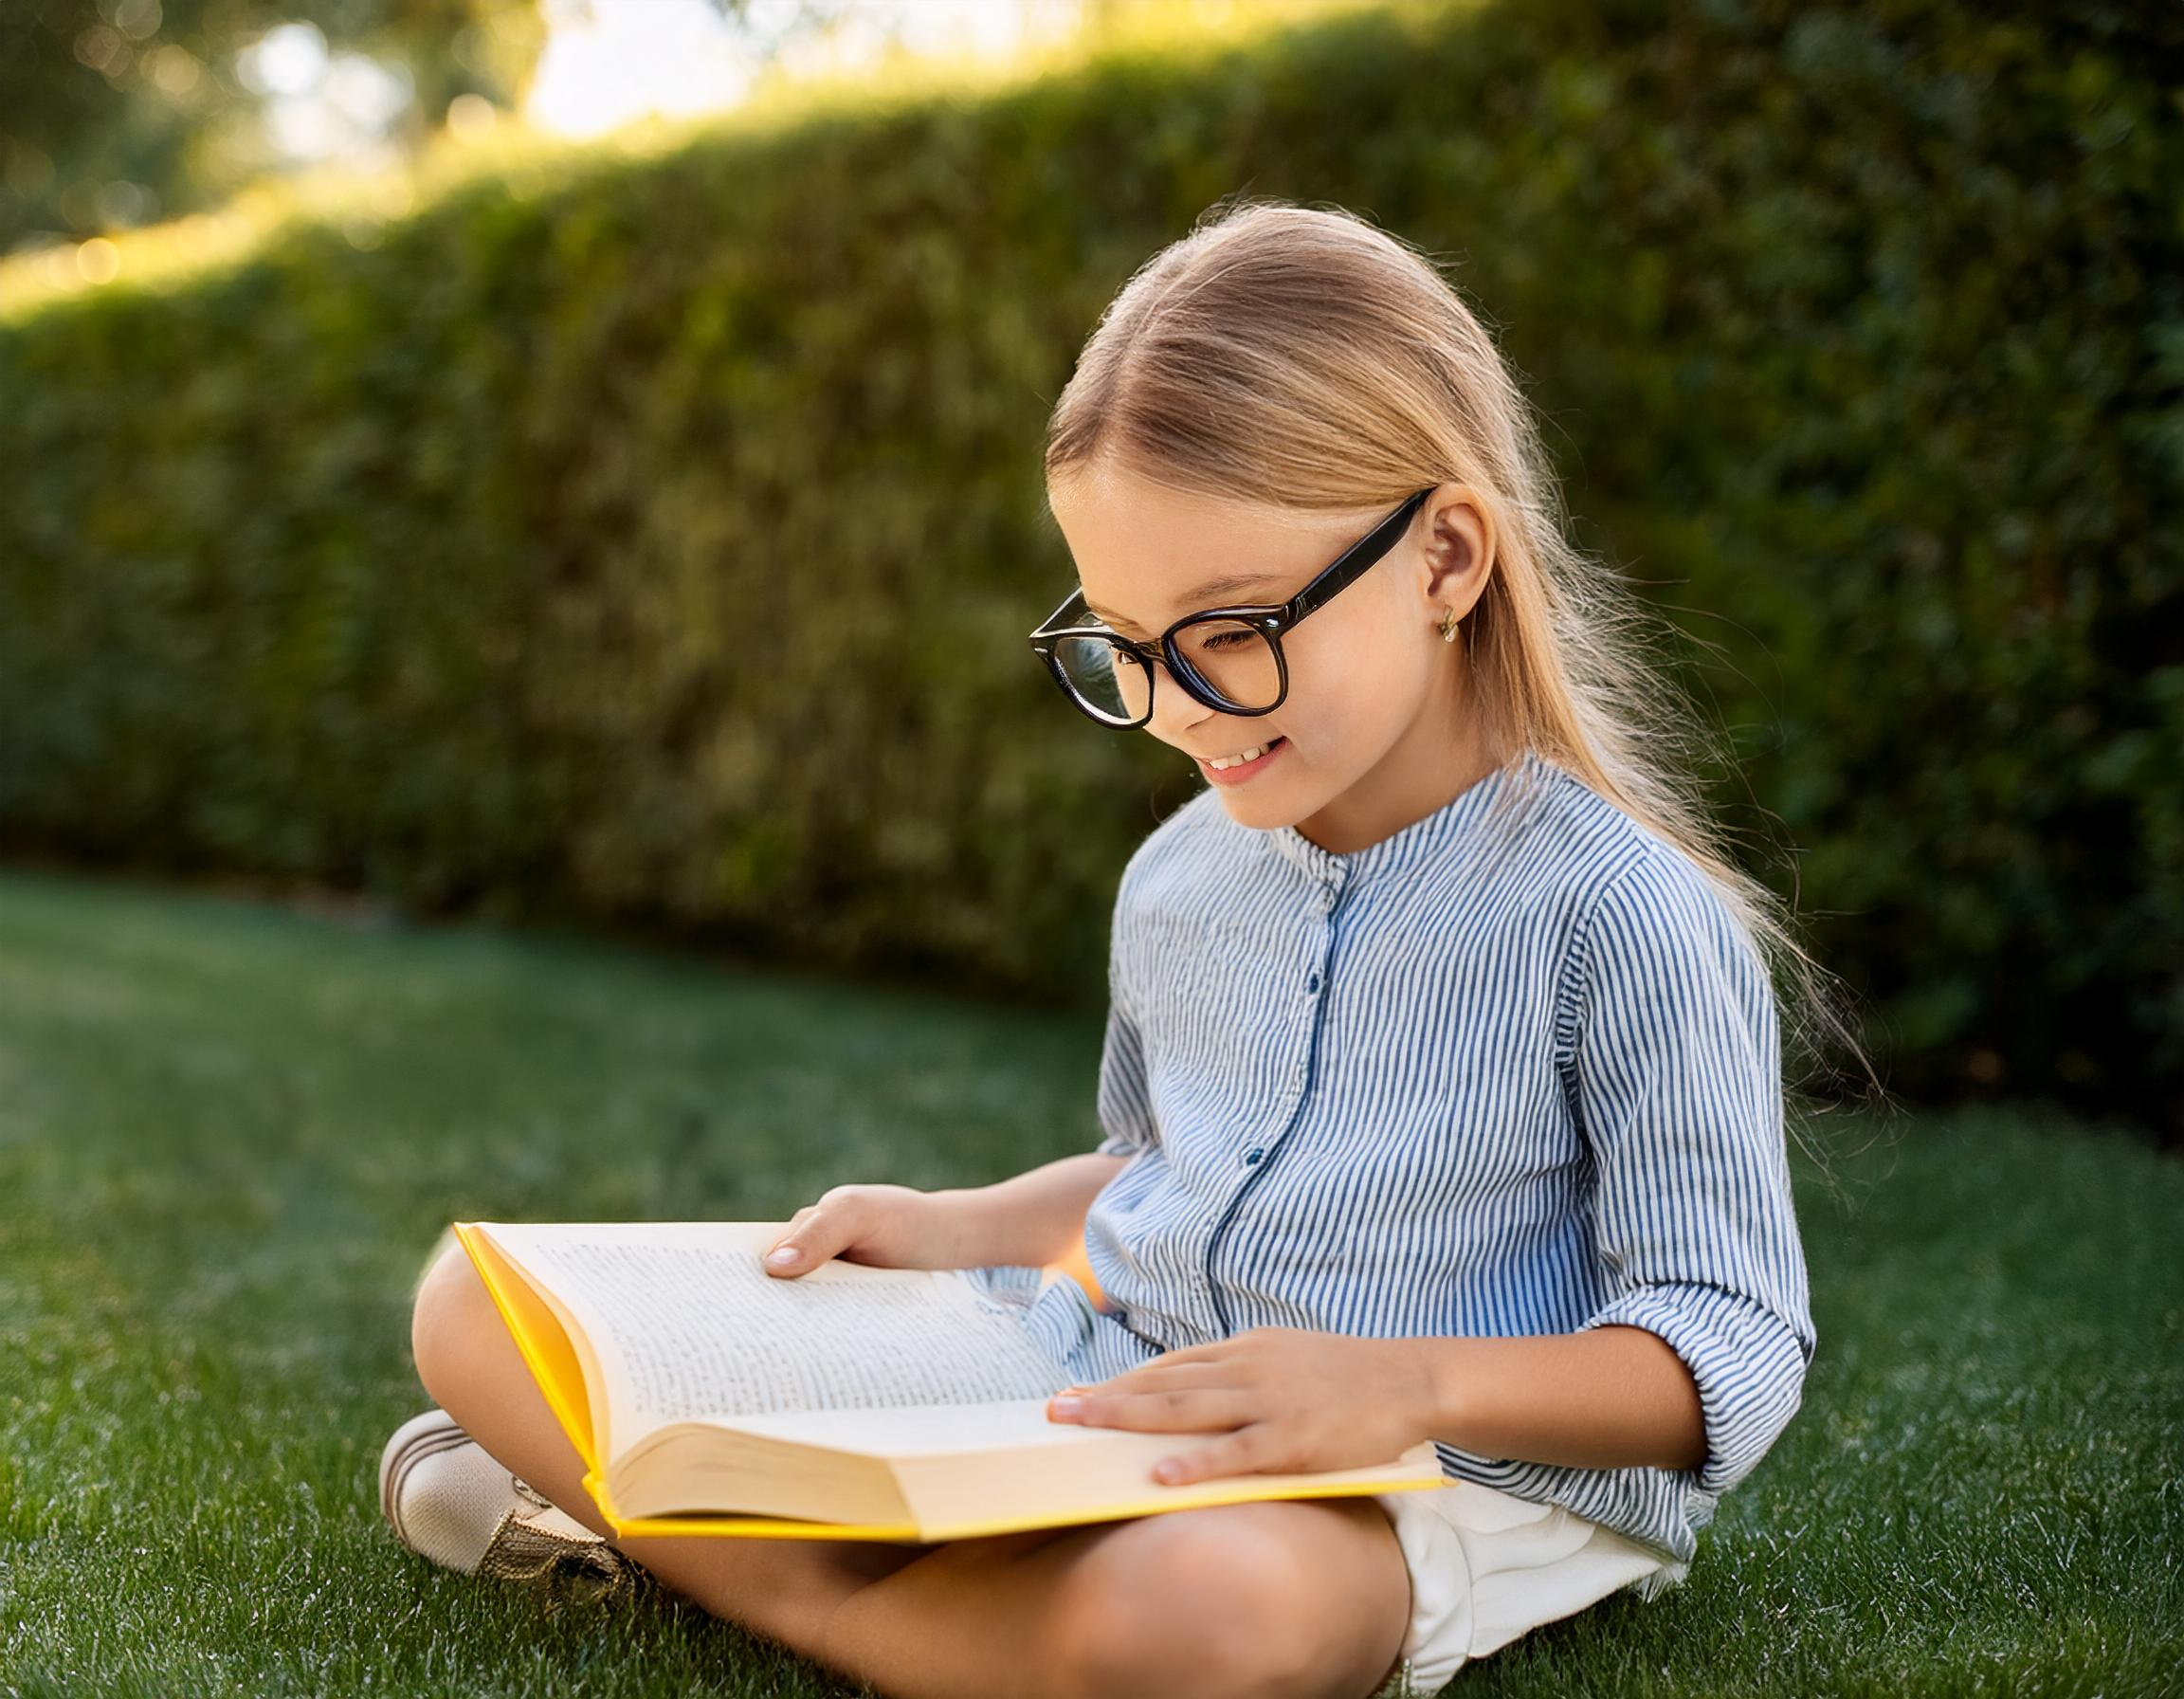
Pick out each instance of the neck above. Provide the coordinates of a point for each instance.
(1440, 757)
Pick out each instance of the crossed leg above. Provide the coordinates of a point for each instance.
(1303, 1597)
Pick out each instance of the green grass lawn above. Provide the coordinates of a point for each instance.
(229, 1133)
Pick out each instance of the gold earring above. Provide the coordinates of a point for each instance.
(1448, 627)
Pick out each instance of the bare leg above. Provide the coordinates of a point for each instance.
(1307, 1597)
(1304, 1597)
(781, 1588)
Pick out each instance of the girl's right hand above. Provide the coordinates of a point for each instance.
(889, 1227)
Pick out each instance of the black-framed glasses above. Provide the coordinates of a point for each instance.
(1228, 658)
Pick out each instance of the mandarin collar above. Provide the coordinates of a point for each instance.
(1420, 841)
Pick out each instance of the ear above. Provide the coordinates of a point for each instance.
(1460, 540)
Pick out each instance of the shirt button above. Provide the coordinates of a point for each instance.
(1252, 1156)
(1311, 984)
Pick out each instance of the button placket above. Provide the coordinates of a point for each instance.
(1316, 978)
(1254, 1160)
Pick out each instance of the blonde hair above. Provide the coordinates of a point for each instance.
(1299, 359)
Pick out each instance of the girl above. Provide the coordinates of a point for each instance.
(1442, 1081)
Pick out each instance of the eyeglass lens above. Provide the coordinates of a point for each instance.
(1235, 660)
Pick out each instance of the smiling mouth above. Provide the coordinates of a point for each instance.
(1221, 763)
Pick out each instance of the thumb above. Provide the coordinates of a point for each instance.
(796, 1252)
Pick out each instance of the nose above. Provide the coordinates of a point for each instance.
(1177, 714)
(1175, 709)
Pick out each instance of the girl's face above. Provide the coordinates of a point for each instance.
(1376, 730)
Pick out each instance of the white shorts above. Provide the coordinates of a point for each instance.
(1487, 1567)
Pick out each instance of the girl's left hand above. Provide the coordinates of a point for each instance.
(1297, 1401)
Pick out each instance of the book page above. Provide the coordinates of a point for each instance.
(930, 1430)
(686, 1324)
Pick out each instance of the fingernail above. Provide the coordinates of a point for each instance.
(1063, 1406)
(786, 1255)
(1168, 1470)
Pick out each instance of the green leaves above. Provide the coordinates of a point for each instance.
(651, 541)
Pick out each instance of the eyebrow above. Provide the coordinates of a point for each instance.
(1204, 593)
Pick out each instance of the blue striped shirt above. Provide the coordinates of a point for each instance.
(1512, 1070)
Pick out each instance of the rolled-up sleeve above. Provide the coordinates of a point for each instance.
(1677, 1074)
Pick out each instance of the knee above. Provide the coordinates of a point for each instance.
(1191, 1605)
(451, 1306)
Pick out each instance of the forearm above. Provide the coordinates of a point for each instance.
(1611, 1398)
(1033, 1218)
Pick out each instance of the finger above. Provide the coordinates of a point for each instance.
(1178, 1409)
(1159, 1378)
(1242, 1452)
(1189, 1356)
(803, 1247)
(1164, 1369)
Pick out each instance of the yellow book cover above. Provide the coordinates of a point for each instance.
(708, 1396)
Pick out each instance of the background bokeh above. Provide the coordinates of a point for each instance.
(642, 535)
(486, 484)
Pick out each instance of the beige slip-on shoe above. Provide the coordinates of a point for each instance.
(449, 1500)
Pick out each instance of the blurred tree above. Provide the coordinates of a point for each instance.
(122, 112)
(116, 113)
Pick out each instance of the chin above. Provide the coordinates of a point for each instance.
(1254, 811)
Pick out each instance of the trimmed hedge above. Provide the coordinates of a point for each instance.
(653, 543)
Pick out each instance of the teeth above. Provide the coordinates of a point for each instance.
(1222, 763)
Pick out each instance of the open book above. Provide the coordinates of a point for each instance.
(708, 1396)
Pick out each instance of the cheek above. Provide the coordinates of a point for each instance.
(1347, 693)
